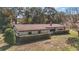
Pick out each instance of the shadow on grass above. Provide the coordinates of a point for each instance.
(60, 33)
(5, 47)
(29, 40)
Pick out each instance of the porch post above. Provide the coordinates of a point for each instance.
(50, 23)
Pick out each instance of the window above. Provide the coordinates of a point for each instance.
(29, 32)
(60, 29)
(52, 30)
(39, 32)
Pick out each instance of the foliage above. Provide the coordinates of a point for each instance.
(10, 36)
(5, 18)
(74, 42)
(2, 19)
(9, 25)
(30, 20)
(74, 38)
(41, 15)
(70, 48)
(73, 33)
(25, 20)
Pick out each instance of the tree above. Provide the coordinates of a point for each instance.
(73, 13)
(5, 18)
(49, 12)
(59, 17)
(35, 14)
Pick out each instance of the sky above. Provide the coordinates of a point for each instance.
(61, 9)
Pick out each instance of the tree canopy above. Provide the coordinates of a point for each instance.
(39, 15)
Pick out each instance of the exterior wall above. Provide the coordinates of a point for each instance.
(23, 33)
(60, 29)
(33, 33)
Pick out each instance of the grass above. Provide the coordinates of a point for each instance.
(73, 33)
(1, 38)
(56, 43)
(24, 20)
(70, 48)
(3, 45)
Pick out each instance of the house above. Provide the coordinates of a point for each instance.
(30, 29)
(37, 29)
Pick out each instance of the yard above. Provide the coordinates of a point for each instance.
(38, 21)
(56, 43)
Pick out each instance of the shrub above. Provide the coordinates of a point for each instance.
(74, 38)
(9, 25)
(10, 36)
(73, 33)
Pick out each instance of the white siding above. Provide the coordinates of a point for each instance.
(34, 32)
(44, 31)
(23, 33)
(59, 29)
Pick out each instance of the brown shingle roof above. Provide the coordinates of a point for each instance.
(32, 27)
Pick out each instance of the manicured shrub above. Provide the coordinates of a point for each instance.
(10, 37)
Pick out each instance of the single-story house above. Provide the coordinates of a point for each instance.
(31, 30)
(37, 29)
